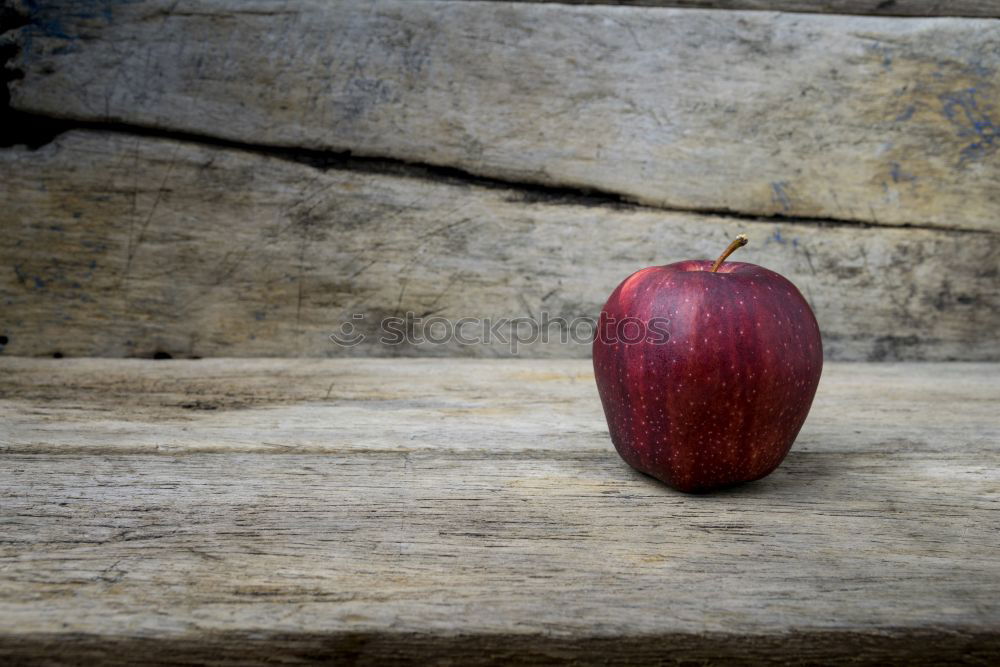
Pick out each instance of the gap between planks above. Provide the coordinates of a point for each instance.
(37, 130)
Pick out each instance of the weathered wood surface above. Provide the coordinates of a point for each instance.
(860, 118)
(981, 8)
(474, 510)
(80, 406)
(118, 245)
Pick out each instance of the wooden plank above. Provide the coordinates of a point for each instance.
(971, 8)
(311, 406)
(844, 117)
(119, 245)
(877, 544)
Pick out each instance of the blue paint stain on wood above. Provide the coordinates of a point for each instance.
(41, 23)
(780, 196)
(63, 20)
(900, 176)
(979, 69)
(965, 111)
(906, 114)
(45, 21)
(885, 52)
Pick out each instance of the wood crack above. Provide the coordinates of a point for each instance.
(37, 130)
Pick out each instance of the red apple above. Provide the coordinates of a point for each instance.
(711, 378)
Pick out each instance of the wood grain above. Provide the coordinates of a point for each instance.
(312, 406)
(842, 117)
(973, 8)
(120, 245)
(874, 542)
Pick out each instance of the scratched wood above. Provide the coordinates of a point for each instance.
(120, 245)
(846, 117)
(230, 511)
(981, 8)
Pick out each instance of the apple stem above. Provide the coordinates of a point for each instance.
(738, 242)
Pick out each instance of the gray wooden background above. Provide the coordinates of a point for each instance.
(173, 188)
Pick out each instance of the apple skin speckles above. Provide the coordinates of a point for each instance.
(722, 401)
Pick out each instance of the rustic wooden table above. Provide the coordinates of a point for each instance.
(226, 511)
